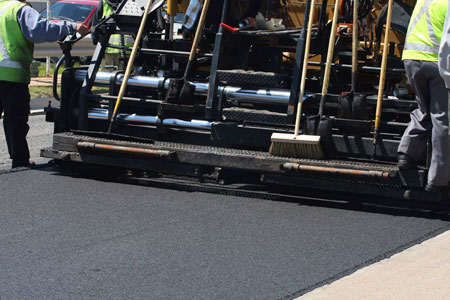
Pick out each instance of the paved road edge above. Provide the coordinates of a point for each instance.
(419, 272)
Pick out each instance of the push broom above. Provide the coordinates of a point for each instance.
(296, 145)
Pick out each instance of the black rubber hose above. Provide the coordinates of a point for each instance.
(55, 77)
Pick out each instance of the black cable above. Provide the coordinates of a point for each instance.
(55, 77)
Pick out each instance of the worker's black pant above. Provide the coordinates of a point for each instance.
(15, 104)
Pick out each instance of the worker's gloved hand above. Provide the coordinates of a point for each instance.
(82, 29)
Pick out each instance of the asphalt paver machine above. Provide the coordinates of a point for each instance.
(244, 86)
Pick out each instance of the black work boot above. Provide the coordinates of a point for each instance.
(26, 163)
(442, 192)
(406, 162)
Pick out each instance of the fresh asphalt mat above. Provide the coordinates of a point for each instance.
(73, 238)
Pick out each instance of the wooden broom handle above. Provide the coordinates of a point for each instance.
(383, 72)
(130, 62)
(199, 30)
(197, 37)
(355, 40)
(330, 51)
(304, 69)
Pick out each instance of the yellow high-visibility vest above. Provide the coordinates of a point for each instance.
(425, 30)
(114, 39)
(16, 52)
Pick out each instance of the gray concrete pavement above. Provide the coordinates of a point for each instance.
(420, 272)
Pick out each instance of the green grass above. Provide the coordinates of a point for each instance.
(43, 69)
(47, 91)
(41, 92)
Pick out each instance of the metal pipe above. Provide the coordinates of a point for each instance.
(266, 96)
(364, 68)
(96, 147)
(102, 114)
(338, 171)
(159, 51)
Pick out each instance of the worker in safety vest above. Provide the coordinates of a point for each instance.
(444, 53)
(420, 57)
(20, 27)
(112, 55)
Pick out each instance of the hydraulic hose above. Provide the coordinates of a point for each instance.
(55, 77)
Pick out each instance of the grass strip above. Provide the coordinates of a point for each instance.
(47, 91)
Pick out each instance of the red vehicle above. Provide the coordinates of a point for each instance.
(80, 11)
(72, 10)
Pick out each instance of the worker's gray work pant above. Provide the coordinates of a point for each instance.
(431, 116)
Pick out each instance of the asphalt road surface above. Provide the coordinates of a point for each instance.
(39, 104)
(73, 238)
(64, 237)
(39, 136)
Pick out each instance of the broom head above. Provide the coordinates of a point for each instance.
(299, 146)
